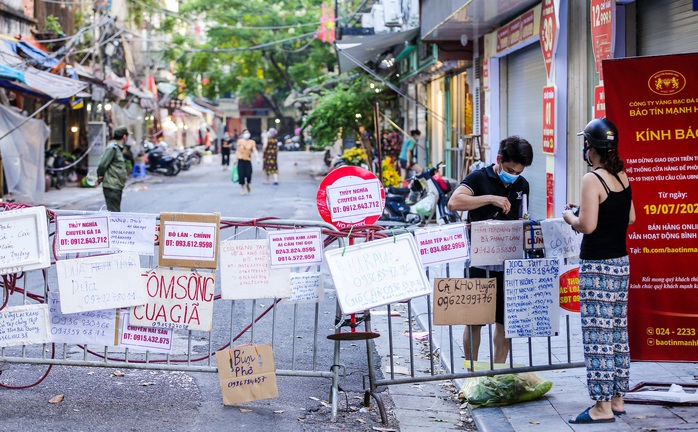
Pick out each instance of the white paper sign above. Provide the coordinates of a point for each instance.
(176, 299)
(377, 273)
(492, 242)
(559, 239)
(24, 325)
(189, 240)
(94, 327)
(356, 200)
(24, 240)
(293, 248)
(532, 297)
(132, 233)
(246, 272)
(100, 282)
(151, 339)
(306, 288)
(442, 244)
(82, 233)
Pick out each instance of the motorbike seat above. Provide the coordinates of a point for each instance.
(398, 191)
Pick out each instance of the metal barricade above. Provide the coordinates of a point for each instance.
(447, 358)
(235, 322)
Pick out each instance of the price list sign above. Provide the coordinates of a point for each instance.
(531, 297)
(189, 240)
(464, 301)
(82, 234)
(291, 248)
(442, 244)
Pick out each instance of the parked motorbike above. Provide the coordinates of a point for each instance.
(55, 177)
(194, 155)
(160, 160)
(426, 198)
(183, 159)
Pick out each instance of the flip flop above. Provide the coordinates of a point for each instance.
(618, 413)
(585, 418)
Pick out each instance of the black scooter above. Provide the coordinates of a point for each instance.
(159, 160)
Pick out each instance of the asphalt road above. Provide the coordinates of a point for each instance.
(98, 399)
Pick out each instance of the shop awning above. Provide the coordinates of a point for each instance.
(365, 48)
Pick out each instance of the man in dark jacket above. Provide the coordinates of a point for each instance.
(111, 171)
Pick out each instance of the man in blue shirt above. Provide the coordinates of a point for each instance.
(494, 192)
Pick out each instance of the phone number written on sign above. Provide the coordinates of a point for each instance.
(189, 243)
(146, 338)
(345, 208)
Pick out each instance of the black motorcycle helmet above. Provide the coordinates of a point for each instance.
(600, 133)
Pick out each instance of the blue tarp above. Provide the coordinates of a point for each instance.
(32, 52)
(7, 73)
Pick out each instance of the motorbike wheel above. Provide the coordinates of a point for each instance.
(413, 218)
(172, 170)
(196, 159)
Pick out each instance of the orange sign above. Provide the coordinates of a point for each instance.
(569, 290)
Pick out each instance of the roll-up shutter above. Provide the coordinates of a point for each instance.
(526, 78)
(666, 27)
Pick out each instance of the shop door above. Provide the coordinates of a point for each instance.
(666, 27)
(526, 78)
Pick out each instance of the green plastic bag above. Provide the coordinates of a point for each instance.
(504, 389)
(234, 175)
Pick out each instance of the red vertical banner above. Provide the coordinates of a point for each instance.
(652, 101)
(549, 195)
(548, 33)
(549, 119)
(603, 14)
(599, 102)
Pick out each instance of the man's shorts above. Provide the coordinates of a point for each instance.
(404, 165)
(476, 272)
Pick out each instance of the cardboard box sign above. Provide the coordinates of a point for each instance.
(464, 301)
(247, 373)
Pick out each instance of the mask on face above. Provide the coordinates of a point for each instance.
(246, 136)
(507, 178)
(585, 155)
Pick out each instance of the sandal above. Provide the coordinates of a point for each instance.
(585, 418)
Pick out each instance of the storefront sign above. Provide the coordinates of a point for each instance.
(82, 233)
(548, 33)
(549, 120)
(549, 195)
(599, 102)
(655, 110)
(603, 14)
(350, 196)
(517, 31)
(486, 74)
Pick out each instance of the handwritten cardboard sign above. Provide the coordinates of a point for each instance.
(100, 282)
(306, 287)
(492, 242)
(24, 240)
(246, 272)
(82, 233)
(532, 297)
(189, 240)
(464, 301)
(24, 325)
(94, 327)
(293, 248)
(247, 373)
(442, 244)
(176, 299)
(157, 340)
(132, 233)
(377, 273)
(560, 240)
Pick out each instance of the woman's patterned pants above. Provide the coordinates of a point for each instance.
(603, 296)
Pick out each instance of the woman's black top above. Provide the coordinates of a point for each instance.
(608, 239)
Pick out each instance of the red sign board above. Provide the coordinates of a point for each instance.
(654, 108)
(548, 33)
(350, 196)
(599, 102)
(569, 290)
(602, 35)
(516, 31)
(549, 119)
(549, 195)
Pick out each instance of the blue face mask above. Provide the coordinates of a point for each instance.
(507, 178)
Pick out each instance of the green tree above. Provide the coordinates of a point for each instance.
(254, 48)
(342, 109)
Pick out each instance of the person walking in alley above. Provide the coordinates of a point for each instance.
(407, 158)
(495, 192)
(111, 172)
(270, 153)
(603, 217)
(226, 146)
(243, 155)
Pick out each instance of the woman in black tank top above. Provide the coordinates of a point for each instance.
(603, 217)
